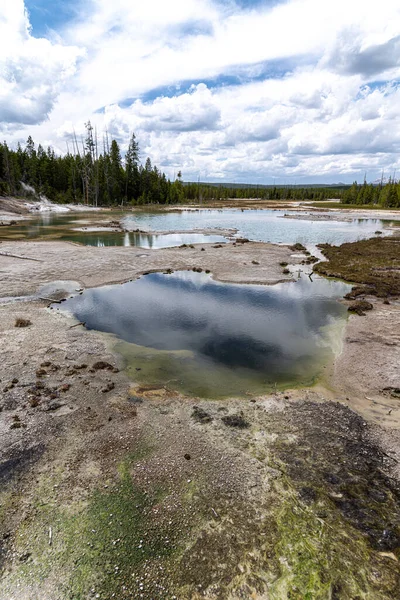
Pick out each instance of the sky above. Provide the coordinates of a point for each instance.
(255, 91)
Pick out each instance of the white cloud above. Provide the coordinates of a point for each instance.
(318, 113)
(32, 71)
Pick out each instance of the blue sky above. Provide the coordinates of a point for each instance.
(47, 15)
(226, 90)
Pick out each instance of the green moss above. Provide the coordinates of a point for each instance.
(120, 539)
(361, 207)
(102, 543)
(321, 558)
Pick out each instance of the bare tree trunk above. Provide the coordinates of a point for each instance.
(97, 169)
(8, 170)
(106, 158)
(86, 175)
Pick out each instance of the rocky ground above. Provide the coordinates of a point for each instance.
(114, 490)
(35, 264)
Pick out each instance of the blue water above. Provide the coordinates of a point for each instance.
(258, 225)
(216, 339)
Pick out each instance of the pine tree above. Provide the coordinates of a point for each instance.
(132, 182)
(116, 173)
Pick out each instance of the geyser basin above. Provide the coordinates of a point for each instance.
(259, 225)
(211, 339)
(77, 228)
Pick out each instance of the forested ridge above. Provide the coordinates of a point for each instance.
(93, 172)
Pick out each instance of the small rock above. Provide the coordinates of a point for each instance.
(200, 415)
(110, 386)
(24, 557)
(19, 322)
(102, 365)
(235, 421)
(360, 306)
(55, 405)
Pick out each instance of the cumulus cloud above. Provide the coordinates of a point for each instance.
(351, 58)
(32, 71)
(192, 111)
(300, 89)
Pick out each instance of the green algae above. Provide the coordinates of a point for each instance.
(189, 375)
(120, 540)
(321, 558)
(295, 540)
(338, 519)
(99, 543)
(318, 557)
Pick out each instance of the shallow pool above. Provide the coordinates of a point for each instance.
(76, 228)
(260, 225)
(161, 228)
(212, 339)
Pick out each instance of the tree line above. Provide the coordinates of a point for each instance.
(386, 195)
(93, 172)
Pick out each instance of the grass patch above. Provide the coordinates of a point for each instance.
(297, 247)
(374, 262)
(351, 206)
